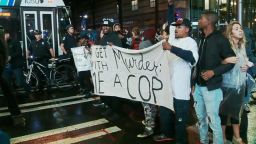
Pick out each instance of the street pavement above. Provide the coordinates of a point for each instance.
(64, 117)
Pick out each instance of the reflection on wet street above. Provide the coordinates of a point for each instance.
(67, 117)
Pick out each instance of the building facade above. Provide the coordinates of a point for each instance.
(153, 13)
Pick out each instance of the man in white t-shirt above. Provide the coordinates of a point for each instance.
(184, 55)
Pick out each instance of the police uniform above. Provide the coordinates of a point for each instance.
(69, 42)
(41, 50)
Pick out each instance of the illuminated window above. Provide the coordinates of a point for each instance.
(134, 5)
(152, 3)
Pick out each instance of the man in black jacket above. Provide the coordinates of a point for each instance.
(213, 48)
(17, 117)
(15, 63)
(108, 37)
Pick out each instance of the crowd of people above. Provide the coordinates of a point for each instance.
(213, 73)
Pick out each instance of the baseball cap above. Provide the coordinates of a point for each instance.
(108, 22)
(184, 22)
(37, 32)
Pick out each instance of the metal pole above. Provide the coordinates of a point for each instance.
(120, 12)
(240, 11)
(156, 14)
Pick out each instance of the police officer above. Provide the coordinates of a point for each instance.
(68, 41)
(41, 50)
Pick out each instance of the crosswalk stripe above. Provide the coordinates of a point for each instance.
(87, 136)
(45, 102)
(51, 106)
(58, 131)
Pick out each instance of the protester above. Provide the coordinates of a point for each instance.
(14, 66)
(136, 38)
(213, 49)
(17, 117)
(108, 37)
(117, 29)
(184, 53)
(234, 81)
(150, 110)
(86, 86)
(107, 34)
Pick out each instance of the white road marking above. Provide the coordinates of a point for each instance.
(51, 106)
(58, 131)
(103, 132)
(45, 102)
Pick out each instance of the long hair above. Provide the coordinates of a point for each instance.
(228, 34)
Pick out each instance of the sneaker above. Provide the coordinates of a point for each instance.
(143, 122)
(237, 140)
(98, 104)
(147, 132)
(162, 137)
(247, 108)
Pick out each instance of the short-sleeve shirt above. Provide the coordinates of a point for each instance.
(69, 42)
(40, 49)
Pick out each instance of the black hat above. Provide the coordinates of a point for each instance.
(184, 22)
(69, 26)
(108, 22)
(37, 32)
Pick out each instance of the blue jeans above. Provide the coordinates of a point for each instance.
(207, 105)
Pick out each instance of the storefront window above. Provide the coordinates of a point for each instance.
(134, 5)
(10, 20)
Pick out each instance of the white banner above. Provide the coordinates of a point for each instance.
(82, 58)
(139, 75)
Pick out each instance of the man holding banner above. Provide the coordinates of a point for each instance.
(184, 55)
(108, 37)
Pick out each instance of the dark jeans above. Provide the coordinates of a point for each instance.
(8, 95)
(85, 81)
(19, 77)
(244, 126)
(166, 121)
(181, 108)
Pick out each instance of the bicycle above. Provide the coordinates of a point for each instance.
(61, 74)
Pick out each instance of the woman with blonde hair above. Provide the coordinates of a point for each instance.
(234, 81)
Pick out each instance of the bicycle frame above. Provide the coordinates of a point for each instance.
(39, 67)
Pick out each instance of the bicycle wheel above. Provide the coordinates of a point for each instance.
(32, 81)
(65, 77)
